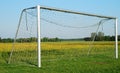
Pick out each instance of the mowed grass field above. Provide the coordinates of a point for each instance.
(60, 57)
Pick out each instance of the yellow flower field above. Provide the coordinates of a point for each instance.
(56, 45)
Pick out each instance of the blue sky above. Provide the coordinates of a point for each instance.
(10, 10)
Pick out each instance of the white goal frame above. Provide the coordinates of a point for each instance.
(38, 7)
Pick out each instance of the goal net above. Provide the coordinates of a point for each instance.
(65, 36)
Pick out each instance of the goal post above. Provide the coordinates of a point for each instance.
(36, 36)
(38, 33)
(116, 38)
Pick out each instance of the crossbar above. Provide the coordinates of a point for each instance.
(76, 12)
(70, 11)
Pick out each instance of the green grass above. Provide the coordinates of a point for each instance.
(92, 64)
(72, 60)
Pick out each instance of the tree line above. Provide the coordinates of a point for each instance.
(46, 39)
(32, 39)
(104, 38)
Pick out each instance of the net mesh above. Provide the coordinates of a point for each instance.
(24, 48)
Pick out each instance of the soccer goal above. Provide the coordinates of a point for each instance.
(50, 34)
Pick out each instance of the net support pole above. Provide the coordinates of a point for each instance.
(38, 36)
(116, 38)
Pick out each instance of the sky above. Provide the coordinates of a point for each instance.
(10, 10)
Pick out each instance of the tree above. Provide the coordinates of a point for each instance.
(118, 37)
(107, 38)
(45, 39)
(87, 39)
(0, 39)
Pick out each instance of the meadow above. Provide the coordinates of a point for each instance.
(60, 57)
